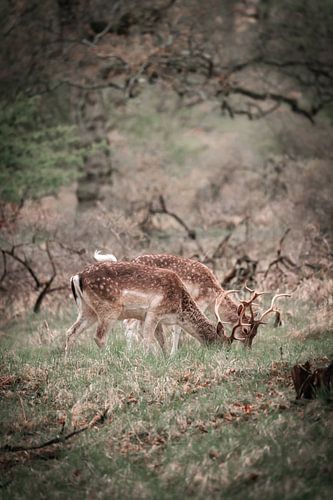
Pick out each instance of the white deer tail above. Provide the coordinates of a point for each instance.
(76, 287)
(104, 257)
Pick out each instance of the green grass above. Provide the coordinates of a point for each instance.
(207, 423)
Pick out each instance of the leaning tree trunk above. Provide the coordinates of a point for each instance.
(91, 120)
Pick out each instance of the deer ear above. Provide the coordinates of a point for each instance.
(220, 329)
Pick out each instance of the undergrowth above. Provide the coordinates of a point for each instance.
(207, 423)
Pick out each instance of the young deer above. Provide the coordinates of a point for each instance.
(106, 292)
(202, 285)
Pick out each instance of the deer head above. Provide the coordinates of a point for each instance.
(248, 322)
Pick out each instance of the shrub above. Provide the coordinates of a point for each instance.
(37, 156)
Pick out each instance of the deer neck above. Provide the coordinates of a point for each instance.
(195, 322)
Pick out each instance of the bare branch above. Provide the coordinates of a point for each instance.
(47, 284)
(163, 210)
(4, 260)
(98, 419)
(24, 263)
(279, 98)
(285, 260)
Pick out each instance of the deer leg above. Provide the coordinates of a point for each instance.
(149, 327)
(102, 329)
(159, 336)
(133, 330)
(175, 339)
(83, 322)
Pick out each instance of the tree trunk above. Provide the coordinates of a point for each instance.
(91, 120)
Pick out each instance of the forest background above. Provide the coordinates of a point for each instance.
(202, 129)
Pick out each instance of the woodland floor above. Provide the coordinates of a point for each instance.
(207, 423)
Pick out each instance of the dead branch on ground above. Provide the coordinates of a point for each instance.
(99, 418)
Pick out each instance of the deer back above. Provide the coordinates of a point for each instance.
(197, 278)
(111, 281)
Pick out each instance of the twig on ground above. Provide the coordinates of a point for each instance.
(99, 418)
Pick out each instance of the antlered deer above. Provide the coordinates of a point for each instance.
(202, 285)
(205, 289)
(106, 292)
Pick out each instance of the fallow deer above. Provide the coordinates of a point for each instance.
(202, 285)
(106, 292)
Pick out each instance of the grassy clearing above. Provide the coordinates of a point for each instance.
(204, 424)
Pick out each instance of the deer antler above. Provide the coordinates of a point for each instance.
(247, 337)
(218, 303)
(241, 312)
(230, 291)
(271, 307)
(249, 303)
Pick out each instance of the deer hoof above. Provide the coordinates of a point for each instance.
(100, 342)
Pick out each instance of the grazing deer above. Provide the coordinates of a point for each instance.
(203, 287)
(107, 291)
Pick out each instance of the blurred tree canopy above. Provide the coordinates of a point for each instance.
(252, 56)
